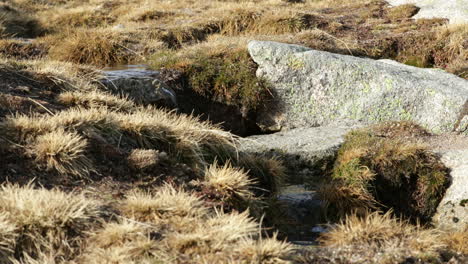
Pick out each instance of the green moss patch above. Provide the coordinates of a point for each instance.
(226, 77)
(385, 167)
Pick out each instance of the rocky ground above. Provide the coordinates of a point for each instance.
(262, 131)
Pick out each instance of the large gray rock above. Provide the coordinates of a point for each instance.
(454, 10)
(142, 86)
(452, 212)
(315, 88)
(303, 150)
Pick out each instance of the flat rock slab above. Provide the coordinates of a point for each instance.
(303, 150)
(456, 11)
(142, 86)
(316, 88)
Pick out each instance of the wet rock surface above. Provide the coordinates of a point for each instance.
(303, 213)
(316, 88)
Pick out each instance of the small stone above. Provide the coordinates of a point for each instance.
(141, 159)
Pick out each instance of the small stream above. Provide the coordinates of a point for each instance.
(302, 216)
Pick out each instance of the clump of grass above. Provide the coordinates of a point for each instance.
(381, 238)
(100, 47)
(456, 241)
(16, 23)
(380, 167)
(268, 171)
(123, 242)
(79, 17)
(95, 98)
(452, 52)
(170, 223)
(8, 237)
(46, 221)
(183, 137)
(167, 202)
(230, 183)
(402, 11)
(62, 151)
(13, 48)
(227, 77)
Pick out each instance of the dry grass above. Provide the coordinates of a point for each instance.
(95, 99)
(457, 241)
(8, 237)
(167, 202)
(229, 182)
(268, 171)
(175, 222)
(182, 137)
(380, 238)
(46, 220)
(19, 49)
(100, 47)
(173, 225)
(381, 167)
(17, 23)
(63, 152)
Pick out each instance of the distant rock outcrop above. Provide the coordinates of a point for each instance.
(316, 88)
(456, 11)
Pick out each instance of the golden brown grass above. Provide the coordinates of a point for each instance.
(8, 237)
(17, 23)
(229, 182)
(457, 241)
(95, 99)
(45, 221)
(167, 202)
(381, 238)
(100, 47)
(182, 137)
(63, 152)
(170, 224)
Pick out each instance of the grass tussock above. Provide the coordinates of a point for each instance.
(230, 183)
(63, 152)
(167, 202)
(44, 221)
(87, 17)
(456, 241)
(184, 138)
(270, 172)
(141, 159)
(402, 11)
(381, 238)
(381, 167)
(170, 224)
(99, 47)
(18, 49)
(95, 99)
(17, 23)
